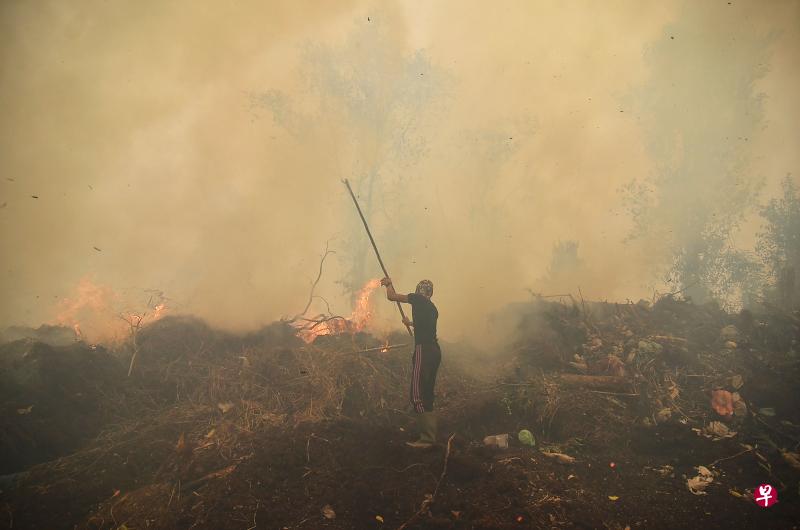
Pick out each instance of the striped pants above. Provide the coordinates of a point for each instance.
(424, 365)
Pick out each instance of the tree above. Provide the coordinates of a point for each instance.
(565, 269)
(699, 111)
(370, 95)
(779, 246)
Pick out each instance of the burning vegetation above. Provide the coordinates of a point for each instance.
(323, 324)
(545, 167)
(281, 428)
(95, 308)
(137, 418)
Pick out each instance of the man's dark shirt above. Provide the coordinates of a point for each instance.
(424, 314)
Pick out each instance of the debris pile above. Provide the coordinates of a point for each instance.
(597, 405)
(684, 363)
(53, 399)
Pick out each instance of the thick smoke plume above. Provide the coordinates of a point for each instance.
(197, 150)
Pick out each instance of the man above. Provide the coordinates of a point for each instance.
(426, 359)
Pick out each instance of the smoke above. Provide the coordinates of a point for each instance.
(701, 111)
(198, 150)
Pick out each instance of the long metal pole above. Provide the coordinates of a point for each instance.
(374, 247)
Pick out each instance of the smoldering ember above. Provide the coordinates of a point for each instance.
(399, 264)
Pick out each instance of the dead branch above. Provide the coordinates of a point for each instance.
(587, 316)
(322, 320)
(134, 323)
(444, 468)
(255, 512)
(583, 303)
(429, 498)
(327, 304)
(717, 461)
(613, 393)
(314, 284)
(308, 445)
(382, 348)
(679, 291)
(222, 473)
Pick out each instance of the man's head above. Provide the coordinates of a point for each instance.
(425, 288)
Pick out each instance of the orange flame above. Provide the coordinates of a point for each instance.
(90, 312)
(359, 318)
(158, 311)
(363, 310)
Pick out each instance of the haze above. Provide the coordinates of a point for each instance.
(197, 148)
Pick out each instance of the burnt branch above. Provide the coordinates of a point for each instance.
(311, 294)
(134, 322)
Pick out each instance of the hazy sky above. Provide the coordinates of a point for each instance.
(200, 145)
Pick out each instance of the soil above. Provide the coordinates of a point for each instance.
(362, 469)
(314, 437)
(53, 399)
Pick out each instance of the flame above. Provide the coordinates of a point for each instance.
(363, 310)
(158, 311)
(90, 312)
(359, 318)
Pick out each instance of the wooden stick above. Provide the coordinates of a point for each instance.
(381, 348)
(375, 248)
(717, 461)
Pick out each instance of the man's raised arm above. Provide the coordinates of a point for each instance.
(391, 294)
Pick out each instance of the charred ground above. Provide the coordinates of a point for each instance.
(215, 430)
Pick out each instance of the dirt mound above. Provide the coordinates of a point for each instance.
(250, 399)
(672, 355)
(53, 335)
(264, 430)
(53, 399)
(357, 473)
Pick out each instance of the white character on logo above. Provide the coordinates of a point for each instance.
(766, 494)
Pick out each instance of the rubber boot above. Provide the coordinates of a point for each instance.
(426, 424)
(431, 425)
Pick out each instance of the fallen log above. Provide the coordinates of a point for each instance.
(596, 382)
